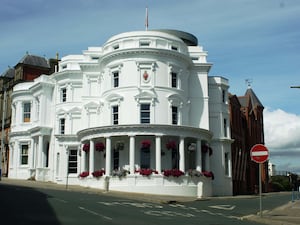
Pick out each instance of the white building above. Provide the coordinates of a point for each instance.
(142, 101)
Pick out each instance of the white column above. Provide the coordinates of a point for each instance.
(108, 157)
(158, 154)
(31, 155)
(181, 155)
(92, 157)
(83, 159)
(199, 156)
(131, 154)
(40, 152)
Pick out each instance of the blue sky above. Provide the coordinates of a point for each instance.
(245, 39)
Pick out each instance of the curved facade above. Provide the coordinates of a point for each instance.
(138, 114)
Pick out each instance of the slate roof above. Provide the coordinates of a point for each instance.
(254, 99)
(9, 73)
(255, 102)
(34, 60)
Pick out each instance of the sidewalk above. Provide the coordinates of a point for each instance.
(288, 214)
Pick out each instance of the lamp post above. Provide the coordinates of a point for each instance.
(2, 130)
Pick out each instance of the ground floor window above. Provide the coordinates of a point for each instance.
(175, 159)
(145, 158)
(72, 167)
(116, 159)
(24, 154)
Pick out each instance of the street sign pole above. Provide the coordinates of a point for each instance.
(260, 190)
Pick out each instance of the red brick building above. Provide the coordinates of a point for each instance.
(27, 69)
(247, 129)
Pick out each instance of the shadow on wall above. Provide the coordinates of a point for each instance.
(26, 206)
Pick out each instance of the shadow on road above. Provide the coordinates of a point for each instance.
(26, 206)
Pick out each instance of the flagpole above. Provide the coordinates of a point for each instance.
(146, 19)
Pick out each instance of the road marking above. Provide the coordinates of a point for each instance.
(134, 204)
(167, 213)
(94, 213)
(223, 207)
(60, 200)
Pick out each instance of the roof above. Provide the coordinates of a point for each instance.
(187, 38)
(9, 73)
(34, 60)
(254, 99)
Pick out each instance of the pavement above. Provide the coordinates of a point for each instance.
(288, 214)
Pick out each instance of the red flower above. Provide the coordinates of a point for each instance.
(86, 147)
(171, 145)
(99, 146)
(208, 174)
(173, 172)
(98, 173)
(146, 172)
(84, 174)
(146, 144)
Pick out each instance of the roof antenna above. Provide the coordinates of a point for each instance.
(248, 82)
(146, 19)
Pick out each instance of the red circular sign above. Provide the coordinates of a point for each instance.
(259, 153)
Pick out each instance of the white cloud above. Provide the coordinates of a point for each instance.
(282, 137)
(281, 129)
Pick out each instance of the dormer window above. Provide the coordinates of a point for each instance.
(115, 47)
(174, 48)
(144, 43)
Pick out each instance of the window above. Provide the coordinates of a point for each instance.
(62, 126)
(24, 154)
(225, 128)
(26, 112)
(72, 166)
(144, 44)
(226, 157)
(223, 96)
(174, 48)
(63, 94)
(115, 47)
(145, 113)
(174, 115)
(115, 114)
(116, 159)
(174, 80)
(145, 157)
(116, 79)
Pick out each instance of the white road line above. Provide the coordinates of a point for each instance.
(60, 200)
(95, 213)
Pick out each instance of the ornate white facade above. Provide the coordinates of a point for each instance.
(142, 101)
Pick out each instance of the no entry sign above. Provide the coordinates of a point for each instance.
(259, 153)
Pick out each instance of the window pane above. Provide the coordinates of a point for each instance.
(24, 154)
(72, 167)
(174, 80)
(145, 158)
(64, 95)
(115, 112)
(116, 79)
(174, 115)
(26, 112)
(62, 126)
(145, 113)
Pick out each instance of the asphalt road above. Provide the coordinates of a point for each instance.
(30, 206)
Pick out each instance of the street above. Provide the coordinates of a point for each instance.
(26, 205)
